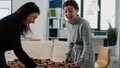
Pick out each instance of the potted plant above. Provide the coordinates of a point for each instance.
(111, 38)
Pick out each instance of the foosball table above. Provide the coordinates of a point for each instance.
(42, 63)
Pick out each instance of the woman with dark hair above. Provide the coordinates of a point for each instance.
(80, 50)
(12, 27)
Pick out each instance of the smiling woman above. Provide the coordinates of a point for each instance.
(12, 27)
(80, 49)
(31, 18)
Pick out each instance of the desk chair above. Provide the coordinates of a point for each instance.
(103, 59)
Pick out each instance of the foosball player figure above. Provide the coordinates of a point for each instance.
(47, 66)
(58, 64)
(53, 64)
(39, 62)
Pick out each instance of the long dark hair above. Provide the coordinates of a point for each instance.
(24, 11)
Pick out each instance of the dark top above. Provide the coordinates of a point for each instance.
(11, 27)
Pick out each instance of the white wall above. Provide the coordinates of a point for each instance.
(117, 19)
(5, 8)
(39, 28)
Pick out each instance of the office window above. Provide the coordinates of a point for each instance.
(99, 13)
(78, 1)
(90, 12)
(5, 8)
(107, 13)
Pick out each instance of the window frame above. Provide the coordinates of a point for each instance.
(98, 15)
(99, 12)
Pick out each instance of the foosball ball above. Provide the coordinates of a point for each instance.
(47, 63)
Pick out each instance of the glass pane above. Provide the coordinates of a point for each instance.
(107, 13)
(91, 12)
(78, 1)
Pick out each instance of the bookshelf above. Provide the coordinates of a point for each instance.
(56, 25)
